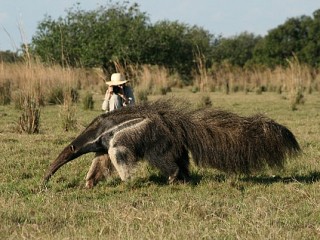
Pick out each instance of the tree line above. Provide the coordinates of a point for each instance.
(122, 34)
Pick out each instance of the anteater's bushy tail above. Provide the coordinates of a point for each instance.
(236, 144)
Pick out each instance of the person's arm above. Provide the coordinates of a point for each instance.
(123, 96)
(109, 92)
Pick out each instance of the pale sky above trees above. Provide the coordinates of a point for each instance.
(19, 18)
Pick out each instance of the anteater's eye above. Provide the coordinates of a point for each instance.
(72, 148)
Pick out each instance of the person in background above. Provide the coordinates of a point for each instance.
(118, 93)
(117, 96)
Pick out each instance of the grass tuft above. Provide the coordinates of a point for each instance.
(29, 121)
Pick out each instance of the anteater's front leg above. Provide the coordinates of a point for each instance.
(100, 169)
(123, 160)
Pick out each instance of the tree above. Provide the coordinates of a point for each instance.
(122, 34)
(282, 42)
(174, 45)
(310, 53)
(237, 50)
(93, 38)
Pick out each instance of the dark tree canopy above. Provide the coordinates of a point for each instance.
(123, 34)
(118, 33)
(299, 36)
(237, 50)
(92, 38)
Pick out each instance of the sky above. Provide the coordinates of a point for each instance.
(19, 18)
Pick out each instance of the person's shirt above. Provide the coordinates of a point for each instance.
(129, 95)
(115, 102)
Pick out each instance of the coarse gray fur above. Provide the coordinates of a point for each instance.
(165, 131)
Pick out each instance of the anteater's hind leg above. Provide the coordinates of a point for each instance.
(183, 164)
(175, 167)
(100, 168)
(182, 172)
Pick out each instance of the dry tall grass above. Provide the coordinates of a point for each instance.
(38, 80)
(201, 77)
(150, 80)
(32, 85)
(280, 79)
(36, 76)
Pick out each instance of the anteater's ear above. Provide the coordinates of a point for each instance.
(72, 148)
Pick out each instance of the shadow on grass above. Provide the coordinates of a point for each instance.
(161, 180)
(308, 178)
(196, 178)
(156, 179)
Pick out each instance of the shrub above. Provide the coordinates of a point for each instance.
(205, 102)
(195, 89)
(5, 93)
(18, 99)
(29, 121)
(103, 89)
(68, 114)
(235, 88)
(163, 90)
(74, 95)
(88, 103)
(56, 95)
(296, 98)
(142, 95)
(258, 90)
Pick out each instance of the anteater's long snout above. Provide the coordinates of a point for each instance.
(65, 156)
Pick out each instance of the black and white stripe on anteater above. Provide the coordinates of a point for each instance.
(165, 131)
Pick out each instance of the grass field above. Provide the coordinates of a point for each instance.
(282, 204)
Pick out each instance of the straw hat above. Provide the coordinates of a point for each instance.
(116, 79)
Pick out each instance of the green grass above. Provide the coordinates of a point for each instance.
(273, 205)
